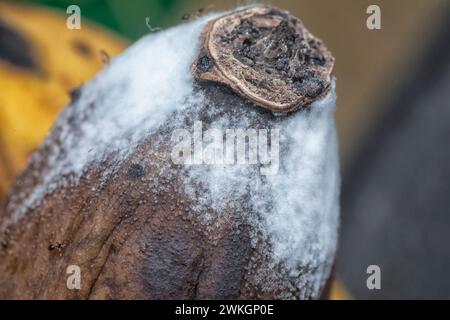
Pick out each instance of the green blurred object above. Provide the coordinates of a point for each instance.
(127, 18)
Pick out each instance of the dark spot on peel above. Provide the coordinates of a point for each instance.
(311, 87)
(104, 56)
(82, 48)
(56, 245)
(74, 94)
(204, 63)
(135, 171)
(15, 49)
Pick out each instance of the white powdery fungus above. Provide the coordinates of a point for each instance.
(296, 209)
(303, 224)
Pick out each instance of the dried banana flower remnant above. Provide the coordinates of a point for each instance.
(139, 225)
(267, 56)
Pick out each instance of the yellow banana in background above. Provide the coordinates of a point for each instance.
(40, 62)
(338, 291)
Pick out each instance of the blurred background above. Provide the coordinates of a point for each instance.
(393, 115)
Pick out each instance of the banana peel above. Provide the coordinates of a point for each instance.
(35, 80)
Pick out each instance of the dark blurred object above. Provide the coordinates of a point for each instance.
(396, 196)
